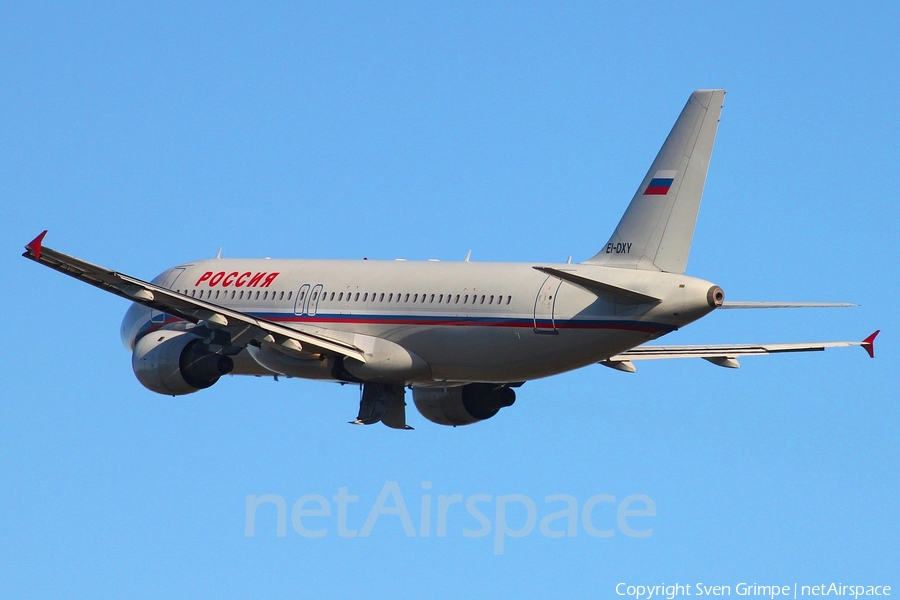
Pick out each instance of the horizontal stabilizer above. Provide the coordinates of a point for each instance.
(618, 294)
(739, 304)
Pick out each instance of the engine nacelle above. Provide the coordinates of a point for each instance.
(176, 363)
(462, 405)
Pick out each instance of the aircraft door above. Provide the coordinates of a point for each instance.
(302, 299)
(317, 293)
(543, 306)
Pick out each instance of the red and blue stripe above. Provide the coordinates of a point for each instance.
(441, 321)
(659, 186)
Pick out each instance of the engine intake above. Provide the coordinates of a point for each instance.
(175, 363)
(462, 405)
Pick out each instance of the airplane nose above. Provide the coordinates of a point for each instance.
(715, 296)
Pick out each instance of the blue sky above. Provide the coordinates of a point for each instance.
(143, 136)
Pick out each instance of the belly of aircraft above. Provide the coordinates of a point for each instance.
(507, 354)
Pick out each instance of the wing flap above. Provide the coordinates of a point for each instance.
(184, 307)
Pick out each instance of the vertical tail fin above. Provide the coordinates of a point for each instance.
(656, 230)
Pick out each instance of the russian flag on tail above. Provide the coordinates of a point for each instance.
(660, 184)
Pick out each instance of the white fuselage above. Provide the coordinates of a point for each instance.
(488, 322)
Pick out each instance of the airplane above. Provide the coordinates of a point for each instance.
(461, 335)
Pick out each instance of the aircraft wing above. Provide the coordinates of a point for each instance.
(725, 355)
(244, 328)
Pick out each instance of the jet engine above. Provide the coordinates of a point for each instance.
(176, 363)
(462, 405)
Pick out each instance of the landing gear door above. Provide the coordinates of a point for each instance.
(544, 304)
(302, 299)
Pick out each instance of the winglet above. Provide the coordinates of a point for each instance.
(869, 344)
(35, 245)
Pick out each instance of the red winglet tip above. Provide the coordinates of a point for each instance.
(35, 245)
(869, 344)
